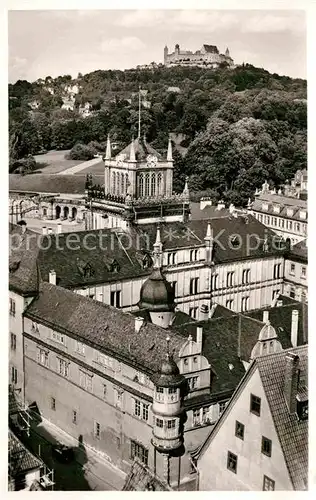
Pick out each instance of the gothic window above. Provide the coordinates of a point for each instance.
(117, 183)
(126, 183)
(153, 184)
(159, 183)
(147, 184)
(141, 185)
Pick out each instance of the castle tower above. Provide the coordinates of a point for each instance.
(165, 55)
(168, 412)
(227, 54)
(177, 49)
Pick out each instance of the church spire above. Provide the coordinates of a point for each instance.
(108, 149)
(157, 249)
(169, 152)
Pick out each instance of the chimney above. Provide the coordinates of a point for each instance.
(52, 277)
(139, 321)
(44, 229)
(205, 202)
(220, 205)
(294, 327)
(204, 312)
(291, 379)
(265, 318)
(199, 335)
(49, 231)
(59, 228)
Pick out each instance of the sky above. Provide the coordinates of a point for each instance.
(58, 42)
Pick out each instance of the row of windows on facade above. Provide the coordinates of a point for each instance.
(136, 449)
(303, 270)
(282, 223)
(266, 443)
(289, 210)
(172, 257)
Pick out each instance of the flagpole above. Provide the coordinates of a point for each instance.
(139, 112)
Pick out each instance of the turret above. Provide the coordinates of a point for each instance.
(227, 54)
(167, 408)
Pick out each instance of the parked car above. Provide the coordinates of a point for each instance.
(62, 453)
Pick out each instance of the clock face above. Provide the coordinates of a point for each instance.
(152, 160)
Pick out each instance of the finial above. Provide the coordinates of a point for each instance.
(108, 149)
(132, 155)
(158, 237)
(209, 231)
(169, 152)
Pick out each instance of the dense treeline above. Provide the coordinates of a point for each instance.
(240, 126)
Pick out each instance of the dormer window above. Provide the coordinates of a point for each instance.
(289, 212)
(85, 268)
(302, 214)
(265, 206)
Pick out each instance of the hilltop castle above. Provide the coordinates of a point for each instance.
(207, 57)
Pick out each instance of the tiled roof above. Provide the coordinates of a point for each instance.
(211, 48)
(285, 202)
(104, 327)
(209, 212)
(179, 235)
(141, 478)
(299, 252)
(281, 319)
(50, 183)
(292, 433)
(20, 459)
(23, 273)
(91, 259)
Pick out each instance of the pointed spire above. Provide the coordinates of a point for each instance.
(209, 232)
(132, 156)
(108, 149)
(157, 250)
(186, 192)
(158, 237)
(169, 152)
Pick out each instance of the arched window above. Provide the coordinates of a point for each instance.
(153, 185)
(159, 183)
(122, 184)
(141, 186)
(147, 184)
(113, 182)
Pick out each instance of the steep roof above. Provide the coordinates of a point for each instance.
(104, 327)
(141, 478)
(211, 49)
(209, 212)
(285, 202)
(50, 183)
(142, 150)
(20, 459)
(299, 252)
(292, 433)
(23, 272)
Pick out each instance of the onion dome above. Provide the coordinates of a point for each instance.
(169, 374)
(156, 294)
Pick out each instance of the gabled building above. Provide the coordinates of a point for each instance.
(296, 272)
(261, 440)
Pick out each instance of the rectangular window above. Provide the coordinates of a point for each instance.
(97, 430)
(292, 269)
(115, 298)
(52, 403)
(137, 408)
(194, 255)
(118, 396)
(159, 422)
(193, 312)
(292, 292)
(266, 446)
(275, 293)
(172, 390)
(232, 462)
(255, 405)
(139, 451)
(244, 304)
(230, 279)
(74, 417)
(229, 303)
(13, 341)
(141, 409)
(171, 258)
(145, 411)
(174, 287)
(14, 375)
(215, 282)
(104, 391)
(12, 307)
(205, 414)
(58, 337)
(239, 430)
(42, 357)
(277, 271)
(303, 272)
(80, 348)
(194, 282)
(85, 380)
(196, 417)
(245, 276)
(268, 484)
(298, 227)
(63, 367)
(193, 382)
(171, 424)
